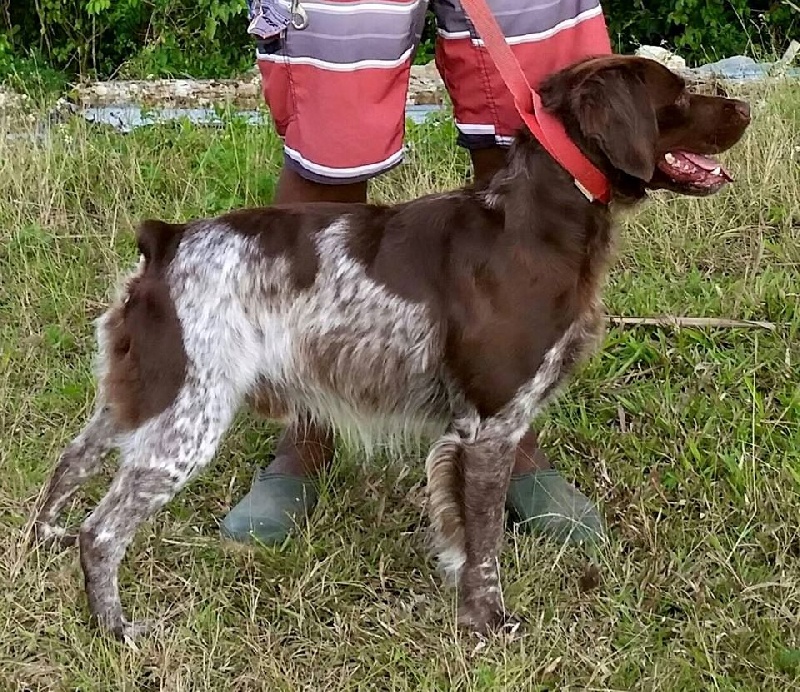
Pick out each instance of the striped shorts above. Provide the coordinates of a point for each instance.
(337, 88)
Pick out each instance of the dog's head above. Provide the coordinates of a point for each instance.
(638, 122)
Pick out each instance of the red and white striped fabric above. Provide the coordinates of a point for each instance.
(337, 88)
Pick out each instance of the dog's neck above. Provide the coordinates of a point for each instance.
(542, 205)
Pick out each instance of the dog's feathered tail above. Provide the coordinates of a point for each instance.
(443, 468)
(142, 361)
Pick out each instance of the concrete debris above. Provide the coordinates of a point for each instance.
(176, 93)
(425, 84)
(11, 100)
(664, 56)
(425, 88)
(126, 104)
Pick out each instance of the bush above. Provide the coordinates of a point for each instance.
(207, 38)
(702, 31)
(201, 38)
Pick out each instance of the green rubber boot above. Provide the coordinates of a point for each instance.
(275, 504)
(544, 502)
(540, 501)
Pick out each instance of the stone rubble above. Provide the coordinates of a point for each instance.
(426, 90)
(664, 56)
(425, 87)
(425, 84)
(11, 100)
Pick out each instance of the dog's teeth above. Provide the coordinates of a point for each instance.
(669, 158)
(716, 171)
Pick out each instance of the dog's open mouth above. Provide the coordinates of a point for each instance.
(695, 170)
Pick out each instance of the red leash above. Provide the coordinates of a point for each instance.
(547, 129)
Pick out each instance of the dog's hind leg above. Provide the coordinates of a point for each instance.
(157, 460)
(81, 460)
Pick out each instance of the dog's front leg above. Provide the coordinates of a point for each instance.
(487, 464)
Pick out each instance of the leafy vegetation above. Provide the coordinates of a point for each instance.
(208, 38)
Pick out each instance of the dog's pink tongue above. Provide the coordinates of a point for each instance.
(706, 163)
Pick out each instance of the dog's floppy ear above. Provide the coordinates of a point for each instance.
(615, 112)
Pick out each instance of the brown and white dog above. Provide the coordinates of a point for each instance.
(455, 316)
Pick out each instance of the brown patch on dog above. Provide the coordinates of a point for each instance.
(158, 241)
(146, 357)
(288, 231)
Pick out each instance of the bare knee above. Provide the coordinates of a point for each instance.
(293, 188)
(486, 162)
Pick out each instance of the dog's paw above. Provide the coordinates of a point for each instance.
(129, 631)
(511, 623)
(50, 536)
(484, 618)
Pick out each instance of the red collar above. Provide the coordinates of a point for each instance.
(547, 129)
(589, 179)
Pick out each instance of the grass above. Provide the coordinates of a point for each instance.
(689, 440)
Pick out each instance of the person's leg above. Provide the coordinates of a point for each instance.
(293, 188)
(342, 125)
(538, 497)
(486, 162)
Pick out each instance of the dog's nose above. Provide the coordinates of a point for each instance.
(742, 109)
